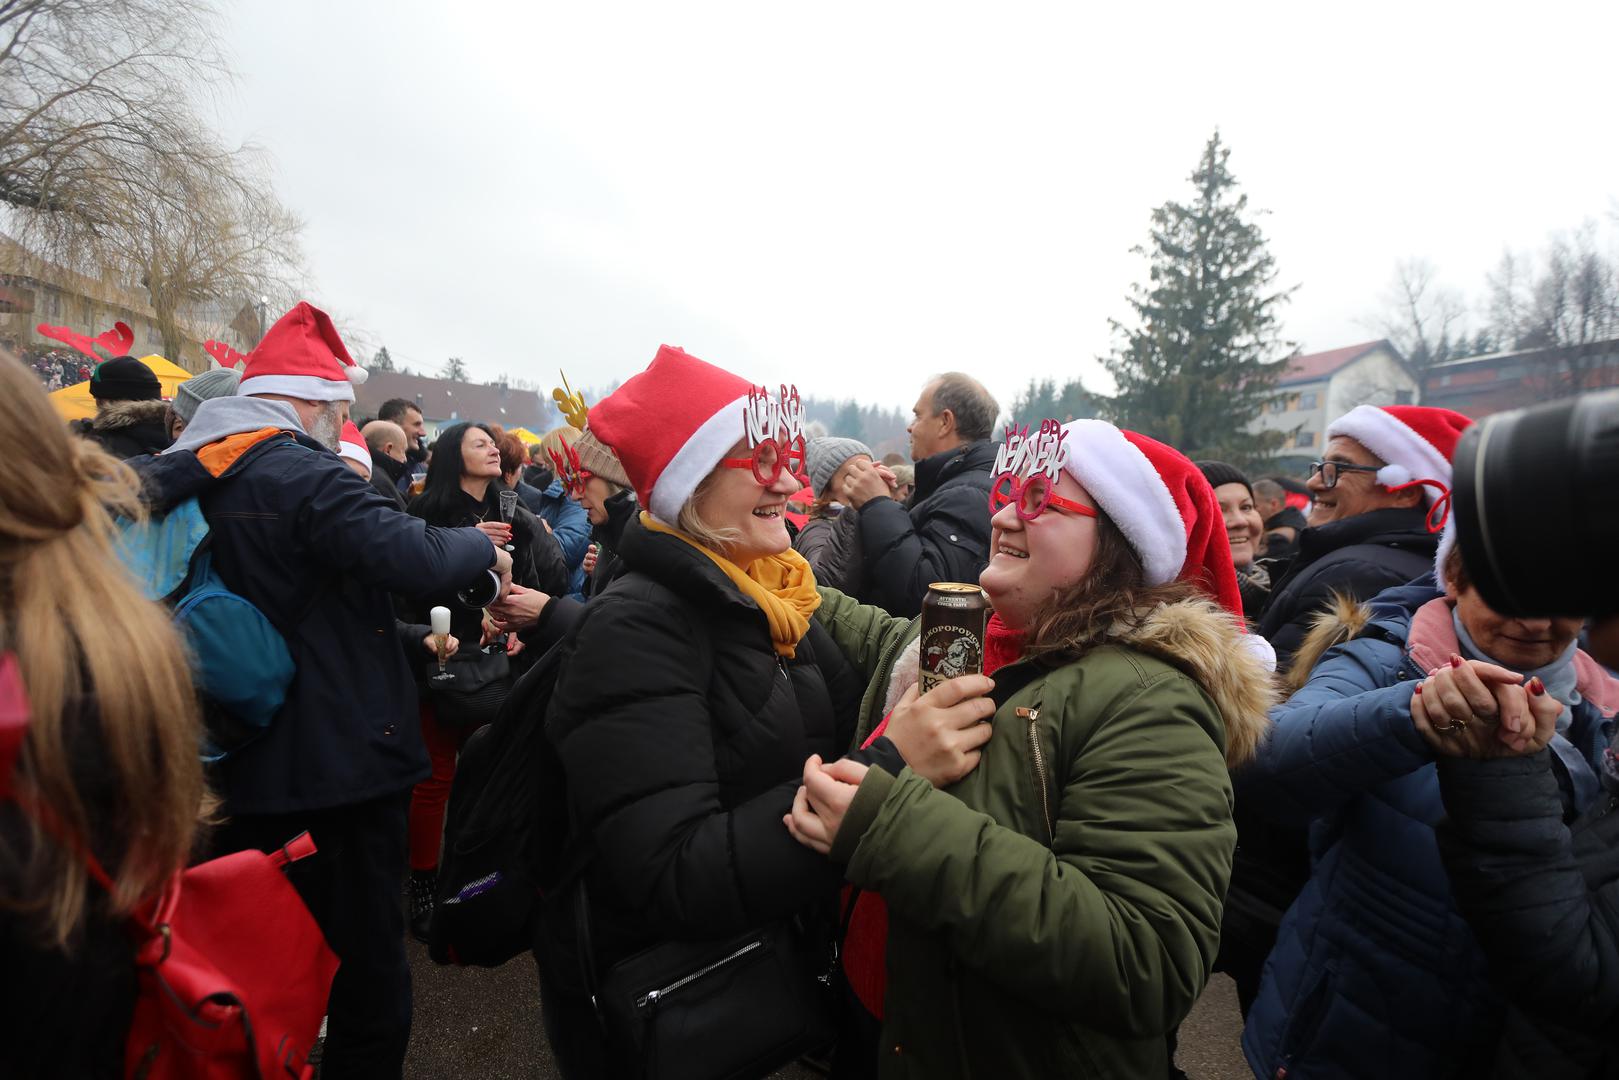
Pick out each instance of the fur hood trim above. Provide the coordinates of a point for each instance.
(1197, 637)
(1341, 620)
(1208, 644)
(124, 414)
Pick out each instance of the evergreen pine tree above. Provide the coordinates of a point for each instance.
(382, 361)
(849, 423)
(1206, 354)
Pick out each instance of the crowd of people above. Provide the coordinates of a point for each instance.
(1259, 726)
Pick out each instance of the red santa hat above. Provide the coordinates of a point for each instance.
(350, 445)
(302, 357)
(1165, 508)
(671, 425)
(1417, 442)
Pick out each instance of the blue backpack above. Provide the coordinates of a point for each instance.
(239, 659)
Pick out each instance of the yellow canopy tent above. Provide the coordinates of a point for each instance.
(528, 437)
(75, 403)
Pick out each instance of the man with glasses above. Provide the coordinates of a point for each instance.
(1381, 491)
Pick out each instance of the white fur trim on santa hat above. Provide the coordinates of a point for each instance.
(1447, 540)
(1408, 455)
(354, 453)
(303, 387)
(705, 449)
(1126, 486)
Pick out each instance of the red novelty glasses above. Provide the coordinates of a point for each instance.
(569, 471)
(1032, 497)
(769, 459)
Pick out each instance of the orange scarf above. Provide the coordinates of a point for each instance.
(782, 585)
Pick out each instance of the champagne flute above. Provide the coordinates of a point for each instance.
(440, 617)
(508, 510)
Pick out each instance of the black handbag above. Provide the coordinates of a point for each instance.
(474, 697)
(725, 1009)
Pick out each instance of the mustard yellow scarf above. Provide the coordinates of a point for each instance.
(782, 585)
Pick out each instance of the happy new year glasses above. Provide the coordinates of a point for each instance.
(769, 459)
(1032, 497)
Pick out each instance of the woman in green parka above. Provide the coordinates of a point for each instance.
(1054, 891)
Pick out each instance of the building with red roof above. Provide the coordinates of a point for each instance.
(1319, 387)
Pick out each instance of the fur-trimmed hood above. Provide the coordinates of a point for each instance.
(1200, 639)
(116, 415)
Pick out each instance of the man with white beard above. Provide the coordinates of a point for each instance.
(319, 551)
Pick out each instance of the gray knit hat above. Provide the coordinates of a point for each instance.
(215, 382)
(598, 459)
(825, 456)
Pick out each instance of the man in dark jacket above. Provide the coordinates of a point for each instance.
(386, 440)
(131, 416)
(942, 534)
(1384, 472)
(314, 547)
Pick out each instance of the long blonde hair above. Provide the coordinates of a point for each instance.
(112, 746)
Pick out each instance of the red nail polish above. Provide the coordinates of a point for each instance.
(1536, 687)
(1455, 661)
(1419, 689)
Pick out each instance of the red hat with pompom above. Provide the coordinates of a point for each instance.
(302, 356)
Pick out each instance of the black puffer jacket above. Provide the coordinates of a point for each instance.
(830, 543)
(127, 429)
(1543, 898)
(620, 509)
(1357, 558)
(684, 738)
(942, 535)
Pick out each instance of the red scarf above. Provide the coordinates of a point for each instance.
(1002, 645)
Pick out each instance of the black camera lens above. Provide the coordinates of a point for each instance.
(1537, 507)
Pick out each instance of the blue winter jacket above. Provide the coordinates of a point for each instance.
(571, 527)
(1375, 973)
(319, 551)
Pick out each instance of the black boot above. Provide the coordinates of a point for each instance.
(422, 884)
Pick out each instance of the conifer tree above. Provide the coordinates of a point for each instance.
(1204, 357)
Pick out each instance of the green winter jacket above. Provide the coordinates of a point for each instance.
(1056, 912)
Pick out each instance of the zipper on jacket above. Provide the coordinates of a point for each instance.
(1037, 763)
(650, 999)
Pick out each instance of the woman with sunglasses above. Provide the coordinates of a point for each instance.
(1054, 879)
(691, 689)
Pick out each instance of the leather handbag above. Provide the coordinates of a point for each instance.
(474, 697)
(725, 1009)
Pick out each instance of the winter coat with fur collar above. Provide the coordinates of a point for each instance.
(1056, 912)
(128, 429)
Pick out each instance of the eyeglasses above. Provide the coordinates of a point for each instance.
(769, 458)
(1329, 471)
(1032, 497)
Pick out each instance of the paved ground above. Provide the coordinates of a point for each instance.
(475, 1022)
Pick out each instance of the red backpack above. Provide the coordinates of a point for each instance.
(233, 973)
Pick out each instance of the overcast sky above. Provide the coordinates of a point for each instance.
(854, 196)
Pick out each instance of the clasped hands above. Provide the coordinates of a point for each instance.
(940, 735)
(1472, 709)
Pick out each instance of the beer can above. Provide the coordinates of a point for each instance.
(954, 616)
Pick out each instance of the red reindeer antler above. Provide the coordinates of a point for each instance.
(116, 341)
(223, 354)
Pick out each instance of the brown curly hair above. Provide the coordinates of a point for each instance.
(1112, 597)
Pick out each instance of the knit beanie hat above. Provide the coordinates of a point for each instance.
(124, 378)
(215, 382)
(673, 424)
(825, 456)
(1165, 509)
(1417, 442)
(352, 445)
(302, 356)
(1218, 473)
(599, 460)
